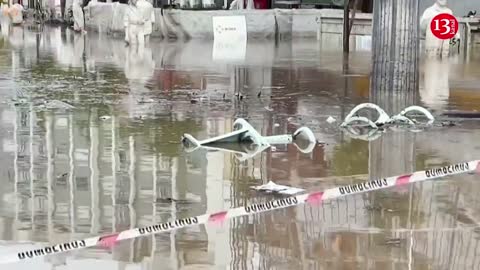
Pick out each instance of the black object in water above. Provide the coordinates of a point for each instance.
(462, 114)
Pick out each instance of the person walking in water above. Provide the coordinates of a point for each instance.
(146, 10)
(435, 47)
(134, 25)
(16, 13)
(78, 18)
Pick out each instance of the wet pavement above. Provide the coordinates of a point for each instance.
(114, 161)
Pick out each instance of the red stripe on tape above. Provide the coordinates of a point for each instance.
(108, 241)
(218, 217)
(402, 180)
(478, 168)
(315, 197)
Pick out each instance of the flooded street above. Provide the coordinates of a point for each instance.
(114, 161)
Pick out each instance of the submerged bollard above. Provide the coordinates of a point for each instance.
(377, 127)
(383, 118)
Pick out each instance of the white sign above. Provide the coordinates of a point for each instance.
(229, 37)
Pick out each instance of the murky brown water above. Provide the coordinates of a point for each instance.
(113, 162)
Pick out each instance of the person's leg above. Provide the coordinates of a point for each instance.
(445, 48)
(141, 38)
(133, 34)
(127, 35)
(62, 8)
(77, 18)
(75, 25)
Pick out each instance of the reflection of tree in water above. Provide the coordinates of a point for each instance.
(421, 160)
(89, 93)
(162, 135)
(392, 210)
(403, 203)
(350, 158)
(170, 79)
(5, 54)
(42, 78)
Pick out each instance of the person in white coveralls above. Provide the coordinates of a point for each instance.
(433, 45)
(78, 18)
(148, 14)
(134, 24)
(16, 13)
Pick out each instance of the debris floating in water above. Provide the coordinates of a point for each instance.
(268, 109)
(361, 127)
(331, 120)
(271, 187)
(249, 142)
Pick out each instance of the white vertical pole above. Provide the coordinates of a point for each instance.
(133, 188)
(154, 201)
(131, 169)
(49, 127)
(32, 166)
(71, 175)
(94, 179)
(114, 171)
(15, 165)
(175, 195)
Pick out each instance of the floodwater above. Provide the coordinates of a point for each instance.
(115, 161)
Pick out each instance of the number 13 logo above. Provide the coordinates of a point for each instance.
(444, 26)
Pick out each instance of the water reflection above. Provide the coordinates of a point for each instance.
(139, 67)
(76, 174)
(436, 90)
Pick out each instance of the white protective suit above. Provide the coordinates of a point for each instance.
(4, 9)
(4, 20)
(78, 19)
(433, 45)
(148, 14)
(238, 4)
(16, 13)
(134, 25)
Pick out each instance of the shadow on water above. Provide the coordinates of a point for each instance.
(114, 161)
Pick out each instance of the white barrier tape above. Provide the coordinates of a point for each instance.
(220, 217)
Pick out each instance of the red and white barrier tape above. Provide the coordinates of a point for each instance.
(220, 217)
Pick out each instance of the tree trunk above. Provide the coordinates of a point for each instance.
(394, 81)
(395, 46)
(346, 23)
(62, 8)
